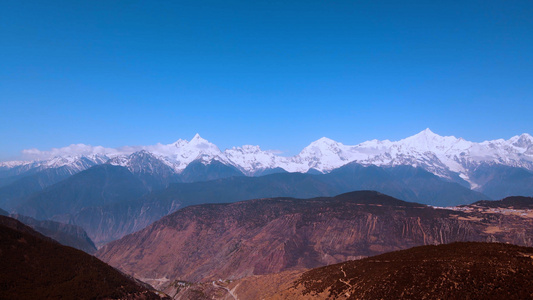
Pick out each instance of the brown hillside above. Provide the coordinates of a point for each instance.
(453, 271)
(265, 236)
(35, 267)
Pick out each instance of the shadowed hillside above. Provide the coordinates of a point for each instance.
(36, 267)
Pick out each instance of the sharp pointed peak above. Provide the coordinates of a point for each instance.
(197, 139)
(324, 140)
(425, 133)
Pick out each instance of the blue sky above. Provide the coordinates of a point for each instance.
(278, 74)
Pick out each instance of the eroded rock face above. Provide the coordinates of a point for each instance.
(229, 241)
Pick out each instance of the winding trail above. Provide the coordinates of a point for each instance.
(226, 289)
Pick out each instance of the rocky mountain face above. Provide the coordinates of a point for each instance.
(448, 157)
(35, 267)
(153, 172)
(264, 236)
(198, 171)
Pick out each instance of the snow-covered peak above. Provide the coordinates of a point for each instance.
(198, 139)
(14, 163)
(72, 151)
(199, 146)
(322, 147)
(324, 141)
(198, 142)
(445, 156)
(251, 159)
(70, 163)
(143, 162)
(426, 133)
(323, 155)
(182, 153)
(427, 140)
(523, 141)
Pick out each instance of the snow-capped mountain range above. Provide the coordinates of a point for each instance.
(446, 156)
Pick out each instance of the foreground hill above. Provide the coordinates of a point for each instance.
(509, 202)
(470, 270)
(264, 236)
(454, 271)
(65, 234)
(36, 267)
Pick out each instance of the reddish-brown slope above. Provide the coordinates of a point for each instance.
(264, 236)
(453, 271)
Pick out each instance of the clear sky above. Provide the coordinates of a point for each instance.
(279, 74)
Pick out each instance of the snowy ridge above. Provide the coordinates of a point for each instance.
(14, 163)
(143, 162)
(445, 156)
(71, 163)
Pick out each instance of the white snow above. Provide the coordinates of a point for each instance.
(441, 155)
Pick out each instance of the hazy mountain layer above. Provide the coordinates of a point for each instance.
(100, 185)
(66, 234)
(108, 202)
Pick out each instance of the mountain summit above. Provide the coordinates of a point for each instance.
(454, 159)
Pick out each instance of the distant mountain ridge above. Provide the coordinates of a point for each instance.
(445, 156)
(109, 201)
